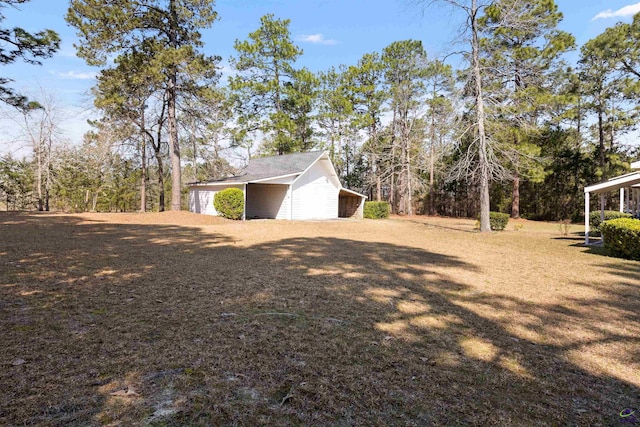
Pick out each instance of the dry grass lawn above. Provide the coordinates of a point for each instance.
(181, 319)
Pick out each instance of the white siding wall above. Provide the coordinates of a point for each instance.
(268, 201)
(201, 198)
(315, 193)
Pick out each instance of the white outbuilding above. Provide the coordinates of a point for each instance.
(291, 186)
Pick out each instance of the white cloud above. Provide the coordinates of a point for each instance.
(629, 10)
(317, 39)
(72, 75)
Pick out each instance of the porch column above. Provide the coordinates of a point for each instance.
(627, 204)
(601, 216)
(586, 218)
(290, 195)
(622, 200)
(244, 208)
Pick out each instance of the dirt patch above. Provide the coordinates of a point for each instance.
(185, 319)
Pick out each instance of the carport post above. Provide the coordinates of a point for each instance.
(244, 205)
(586, 218)
(627, 203)
(622, 200)
(601, 216)
(290, 195)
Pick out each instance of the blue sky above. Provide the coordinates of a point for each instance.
(331, 32)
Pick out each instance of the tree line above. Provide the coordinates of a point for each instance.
(513, 127)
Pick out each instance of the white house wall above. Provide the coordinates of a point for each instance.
(268, 201)
(201, 198)
(315, 193)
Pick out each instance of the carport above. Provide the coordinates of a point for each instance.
(267, 201)
(350, 204)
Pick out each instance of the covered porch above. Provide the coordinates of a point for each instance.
(628, 187)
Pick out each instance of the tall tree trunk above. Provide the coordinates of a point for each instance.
(47, 178)
(39, 174)
(392, 165)
(431, 159)
(579, 118)
(431, 208)
(376, 162)
(143, 178)
(515, 194)
(485, 225)
(409, 187)
(157, 149)
(195, 150)
(346, 160)
(515, 204)
(611, 127)
(392, 187)
(402, 178)
(174, 147)
(279, 133)
(406, 161)
(376, 175)
(601, 149)
(174, 143)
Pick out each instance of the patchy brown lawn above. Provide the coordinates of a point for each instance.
(182, 319)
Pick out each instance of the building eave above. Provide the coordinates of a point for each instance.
(209, 184)
(623, 181)
(353, 193)
(273, 178)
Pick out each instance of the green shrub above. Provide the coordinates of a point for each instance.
(376, 210)
(622, 237)
(498, 221)
(229, 203)
(594, 218)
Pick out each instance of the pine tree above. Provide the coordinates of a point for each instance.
(405, 65)
(120, 26)
(522, 46)
(265, 83)
(17, 43)
(365, 88)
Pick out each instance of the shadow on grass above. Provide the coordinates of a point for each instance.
(462, 227)
(165, 324)
(594, 248)
(571, 239)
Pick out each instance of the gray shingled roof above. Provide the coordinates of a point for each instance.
(274, 166)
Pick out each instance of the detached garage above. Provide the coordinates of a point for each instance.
(292, 186)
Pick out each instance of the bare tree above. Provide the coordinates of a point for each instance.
(480, 169)
(41, 131)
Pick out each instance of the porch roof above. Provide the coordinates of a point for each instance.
(623, 181)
